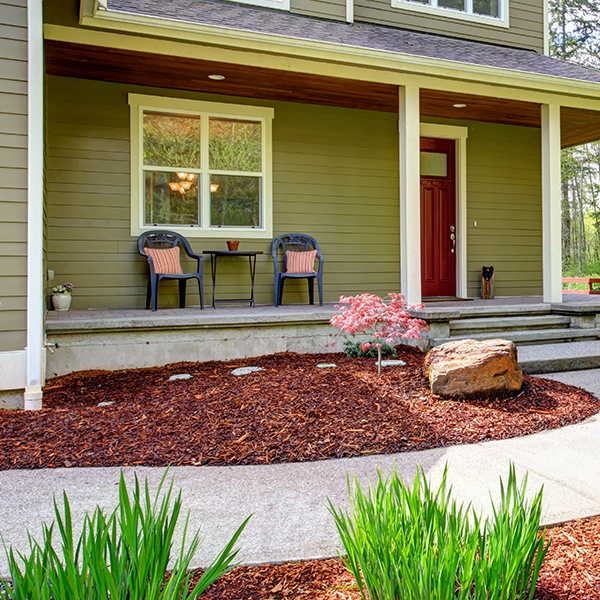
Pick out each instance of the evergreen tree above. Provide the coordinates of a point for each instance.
(573, 30)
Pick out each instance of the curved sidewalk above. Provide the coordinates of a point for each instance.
(288, 501)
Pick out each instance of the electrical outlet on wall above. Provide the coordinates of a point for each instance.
(50, 274)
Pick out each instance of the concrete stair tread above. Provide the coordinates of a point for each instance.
(512, 322)
(488, 311)
(566, 356)
(531, 336)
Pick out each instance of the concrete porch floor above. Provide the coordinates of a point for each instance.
(94, 319)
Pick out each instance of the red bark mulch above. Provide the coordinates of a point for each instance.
(289, 411)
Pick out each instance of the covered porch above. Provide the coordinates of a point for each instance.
(346, 168)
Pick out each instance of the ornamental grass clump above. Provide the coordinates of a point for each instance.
(416, 543)
(385, 323)
(126, 555)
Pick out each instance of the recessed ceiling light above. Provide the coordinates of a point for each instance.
(459, 105)
(216, 77)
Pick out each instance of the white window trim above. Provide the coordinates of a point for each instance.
(439, 11)
(138, 103)
(459, 135)
(280, 4)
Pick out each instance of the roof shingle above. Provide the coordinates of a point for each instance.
(357, 35)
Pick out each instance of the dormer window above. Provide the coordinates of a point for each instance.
(491, 12)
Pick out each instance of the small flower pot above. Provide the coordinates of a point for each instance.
(232, 245)
(61, 301)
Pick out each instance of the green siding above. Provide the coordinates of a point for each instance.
(13, 174)
(335, 176)
(504, 187)
(326, 9)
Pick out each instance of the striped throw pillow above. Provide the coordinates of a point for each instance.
(300, 262)
(166, 260)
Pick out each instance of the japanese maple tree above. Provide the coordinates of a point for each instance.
(386, 322)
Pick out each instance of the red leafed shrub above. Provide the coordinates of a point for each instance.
(385, 322)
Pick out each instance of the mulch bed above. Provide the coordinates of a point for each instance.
(571, 571)
(289, 411)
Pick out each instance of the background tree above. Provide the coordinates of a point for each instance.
(574, 35)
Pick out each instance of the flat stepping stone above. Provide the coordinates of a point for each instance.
(246, 370)
(326, 366)
(393, 363)
(180, 376)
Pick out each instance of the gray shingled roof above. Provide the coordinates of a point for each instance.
(359, 35)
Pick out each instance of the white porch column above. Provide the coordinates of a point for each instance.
(551, 205)
(35, 207)
(410, 194)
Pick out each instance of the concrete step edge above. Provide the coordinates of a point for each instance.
(539, 366)
(500, 324)
(530, 336)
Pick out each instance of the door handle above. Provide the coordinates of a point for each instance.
(453, 238)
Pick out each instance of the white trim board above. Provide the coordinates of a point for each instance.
(460, 135)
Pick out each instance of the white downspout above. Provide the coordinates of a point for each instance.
(349, 11)
(35, 206)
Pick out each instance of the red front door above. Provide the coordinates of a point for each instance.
(438, 218)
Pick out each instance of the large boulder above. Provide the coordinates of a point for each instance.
(470, 369)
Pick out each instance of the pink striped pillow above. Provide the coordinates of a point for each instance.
(166, 260)
(300, 262)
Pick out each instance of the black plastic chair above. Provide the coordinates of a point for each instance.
(163, 240)
(296, 242)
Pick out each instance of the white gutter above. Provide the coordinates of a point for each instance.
(35, 206)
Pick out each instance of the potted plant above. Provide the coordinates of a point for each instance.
(61, 296)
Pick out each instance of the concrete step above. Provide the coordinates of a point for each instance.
(553, 358)
(503, 323)
(465, 311)
(533, 336)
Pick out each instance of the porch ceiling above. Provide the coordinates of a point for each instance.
(140, 68)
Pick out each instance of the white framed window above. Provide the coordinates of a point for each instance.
(490, 12)
(201, 168)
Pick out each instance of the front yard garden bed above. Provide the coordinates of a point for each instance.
(291, 410)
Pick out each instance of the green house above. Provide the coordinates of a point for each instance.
(417, 140)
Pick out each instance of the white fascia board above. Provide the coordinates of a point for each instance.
(226, 37)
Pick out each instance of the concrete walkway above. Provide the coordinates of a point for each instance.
(288, 501)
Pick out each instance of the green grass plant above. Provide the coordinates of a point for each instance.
(126, 555)
(417, 543)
